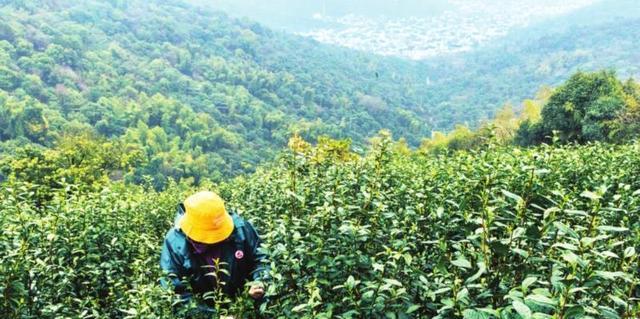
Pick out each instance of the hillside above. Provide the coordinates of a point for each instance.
(546, 232)
(189, 86)
(475, 85)
(216, 96)
(507, 50)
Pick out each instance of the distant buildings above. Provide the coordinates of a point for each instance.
(473, 23)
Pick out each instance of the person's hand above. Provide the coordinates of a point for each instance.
(256, 291)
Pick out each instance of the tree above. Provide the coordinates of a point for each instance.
(9, 79)
(583, 108)
(6, 32)
(627, 124)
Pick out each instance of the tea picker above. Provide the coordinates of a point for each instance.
(212, 251)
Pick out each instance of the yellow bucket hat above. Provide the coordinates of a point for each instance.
(205, 219)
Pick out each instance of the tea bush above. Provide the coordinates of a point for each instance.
(547, 232)
(82, 255)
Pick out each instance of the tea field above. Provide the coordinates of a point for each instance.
(545, 232)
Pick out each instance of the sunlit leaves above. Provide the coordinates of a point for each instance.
(522, 309)
(383, 235)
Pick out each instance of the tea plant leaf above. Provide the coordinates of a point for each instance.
(528, 282)
(393, 282)
(629, 252)
(511, 195)
(522, 309)
(475, 314)
(566, 246)
(575, 312)
(590, 195)
(611, 275)
(299, 308)
(462, 263)
(541, 300)
(565, 229)
(613, 229)
(608, 313)
(618, 301)
(482, 268)
(521, 252)
(412, 309)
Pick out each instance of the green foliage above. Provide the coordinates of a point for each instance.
(546, 232)
(588, 107)
(627, 125)
(461, 138)
(81, 160)
(506, 127)
(326, 151)
(208, 98)
(6, 32)
(488, 234)
(83, 255)
(221, 95)
(23, 117)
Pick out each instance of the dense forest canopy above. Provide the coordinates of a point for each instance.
(215, 93)
(216, 96)
(588, 107)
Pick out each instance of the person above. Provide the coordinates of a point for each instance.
(206, 236)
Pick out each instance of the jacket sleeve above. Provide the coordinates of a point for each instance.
(260, 258)
(171, 265)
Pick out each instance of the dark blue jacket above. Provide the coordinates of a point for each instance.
(180, 263)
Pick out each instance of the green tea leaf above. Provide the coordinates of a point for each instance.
(475, 314)
(590, 195)
(462, 263)
(512, 195)
(613, 229)
(522, 309)
(528, 282)
(541, 300)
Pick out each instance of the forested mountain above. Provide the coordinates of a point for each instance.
(477, 83)
(193, 88)
(188, 92)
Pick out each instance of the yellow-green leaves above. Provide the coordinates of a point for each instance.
(386, 235)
